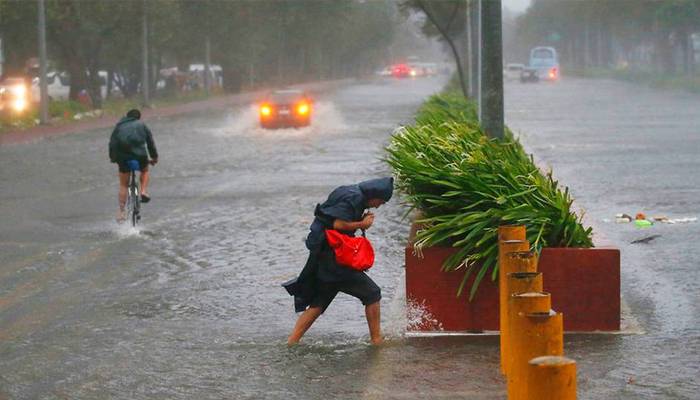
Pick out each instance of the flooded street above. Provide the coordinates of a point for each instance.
(189, 305)
(624, 148)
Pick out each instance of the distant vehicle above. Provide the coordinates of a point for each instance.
(529, 75)
(290, 108)
(58, 85)
(422, 69)
(386, 71)
(546, 62)
(512, 71)
(15, 96)
(215, 71)
(402, 71)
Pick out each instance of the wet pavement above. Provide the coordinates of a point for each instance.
(625, 148)
(189, 304)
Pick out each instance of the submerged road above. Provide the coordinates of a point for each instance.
(624, 148)
(189, 304)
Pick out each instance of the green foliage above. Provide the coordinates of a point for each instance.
(65, 108)
(466, 185)
(261, 42)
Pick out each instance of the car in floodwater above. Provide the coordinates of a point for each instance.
(402, 71)
(529, 75)
(288, 108)
(15, 96)
(546, 62)
(512, 71)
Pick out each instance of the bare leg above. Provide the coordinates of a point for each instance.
(123, 188)
(144, 182)
(123, 183)
(306, 319)
(372, 312)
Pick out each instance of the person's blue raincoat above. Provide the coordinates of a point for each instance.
(347, 203)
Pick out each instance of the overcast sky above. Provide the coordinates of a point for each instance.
(516, 5)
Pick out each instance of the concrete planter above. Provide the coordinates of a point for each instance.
(584, 284)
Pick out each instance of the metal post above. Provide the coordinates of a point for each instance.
(534, 334)
(145, 76)
(207, 65)
(505, 247)
(511, 232)
(43, 84)
(491, 103)
(474, 48)
(551, 378)
(520, 261)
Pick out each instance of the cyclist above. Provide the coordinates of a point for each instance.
(132, 140)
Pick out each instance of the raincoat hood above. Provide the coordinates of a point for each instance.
(380, 188)
(125, 120)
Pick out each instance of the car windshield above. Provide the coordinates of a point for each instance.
(543, 53)
(283, 96)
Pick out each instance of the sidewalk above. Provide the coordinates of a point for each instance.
(44, 131)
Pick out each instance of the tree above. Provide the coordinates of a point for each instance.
(447, 20)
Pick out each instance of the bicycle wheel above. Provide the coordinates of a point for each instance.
(134, 201)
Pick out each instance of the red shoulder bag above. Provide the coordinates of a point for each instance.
(352, 252)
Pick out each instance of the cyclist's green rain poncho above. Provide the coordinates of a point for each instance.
(347, 203)
(129, 141)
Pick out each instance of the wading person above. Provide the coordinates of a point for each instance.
(322, 277)
(132, 140)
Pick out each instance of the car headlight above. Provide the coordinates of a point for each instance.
(302, 109)
(19, 104)
(19, 90)
(265, 110)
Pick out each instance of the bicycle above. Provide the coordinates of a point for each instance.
(133, 199)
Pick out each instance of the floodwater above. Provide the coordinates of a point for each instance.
(624, 148)
(189, 304)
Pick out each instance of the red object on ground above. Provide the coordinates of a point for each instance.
(584, 283)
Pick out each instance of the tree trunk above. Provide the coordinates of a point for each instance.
(78, 78)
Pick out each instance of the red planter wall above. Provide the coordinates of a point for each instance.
(584, 283)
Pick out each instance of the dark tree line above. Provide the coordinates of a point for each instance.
(255, 42)
(649, 34)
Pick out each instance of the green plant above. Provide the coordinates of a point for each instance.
(466, 185)
(66, 108)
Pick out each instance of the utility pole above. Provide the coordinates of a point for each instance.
(43, 84)
(207, 65)
(473, 14)
(491, 91)
(144, 75)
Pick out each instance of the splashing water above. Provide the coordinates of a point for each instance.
(407, 315)
(326, 119)
(126, 230)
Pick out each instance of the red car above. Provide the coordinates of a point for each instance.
(402, 71)
(290, 108)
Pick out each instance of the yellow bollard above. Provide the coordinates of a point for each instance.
(511, 232)
(522, 303)
(533, 335)
(505, 247)
(551, 378)
(517, 282)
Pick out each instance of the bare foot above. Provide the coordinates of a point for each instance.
(377, 342)
(121, 216)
